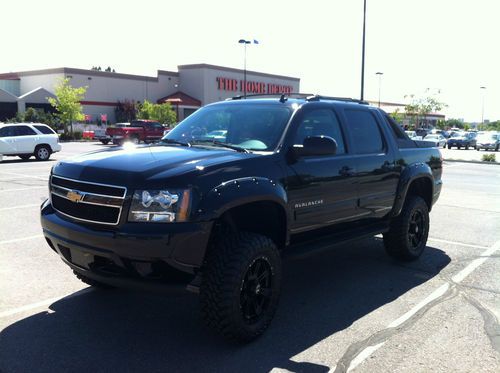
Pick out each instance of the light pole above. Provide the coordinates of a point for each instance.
(483, 90)
(363, 53)
(379, 84)
(244, 42)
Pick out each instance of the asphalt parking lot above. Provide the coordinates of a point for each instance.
(352, 309)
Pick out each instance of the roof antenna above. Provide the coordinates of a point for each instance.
(283, 98)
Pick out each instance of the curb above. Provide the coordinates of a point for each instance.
(464, 161)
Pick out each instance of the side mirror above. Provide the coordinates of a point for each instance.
(316, 145)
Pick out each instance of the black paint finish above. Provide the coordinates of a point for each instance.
(334, 191)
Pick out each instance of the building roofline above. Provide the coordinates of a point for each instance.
(9, 94)
(386, 103)
(71, 70)
(27, 94)
(232, 69)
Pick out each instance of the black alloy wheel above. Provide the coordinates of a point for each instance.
(241, 284)
(416, 229)
(256, 290)
(408, 232)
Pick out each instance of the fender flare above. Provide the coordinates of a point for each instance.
(241, 191)
(408, 176)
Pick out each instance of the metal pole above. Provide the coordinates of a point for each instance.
(363, 53)
(482, 106)
(379, 85)
(245, 73)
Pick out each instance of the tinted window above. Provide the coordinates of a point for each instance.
(7, 132)
(24, 131)
(45, 130)
(321, 122)
(253, 127)
(365, 132)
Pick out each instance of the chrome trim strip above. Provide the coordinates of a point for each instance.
(85, 194)
(88, 221)
(88, 182)
(86, 202)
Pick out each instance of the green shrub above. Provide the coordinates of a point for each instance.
(489, 158)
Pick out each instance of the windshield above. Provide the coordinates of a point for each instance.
(248, 126)
(489, 136)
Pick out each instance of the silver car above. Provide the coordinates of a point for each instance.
(488, 141)
(438, 139)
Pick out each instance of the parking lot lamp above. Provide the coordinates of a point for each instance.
(244, 42)
(363, 54)
(379, 84)
(483, 90)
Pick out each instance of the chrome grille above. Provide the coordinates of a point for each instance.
(86, 201)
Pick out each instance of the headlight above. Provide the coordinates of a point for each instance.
(160, 206)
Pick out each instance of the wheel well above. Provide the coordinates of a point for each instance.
(265, 217)
(422, 187)
(47, 145)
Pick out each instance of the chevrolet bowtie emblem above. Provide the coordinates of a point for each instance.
(75, 196)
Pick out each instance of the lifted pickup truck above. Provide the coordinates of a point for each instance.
(138, 130)
(216, 214)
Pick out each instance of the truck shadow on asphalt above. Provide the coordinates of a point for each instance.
(125, 331)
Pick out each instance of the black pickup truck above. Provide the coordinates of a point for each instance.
(231, 190)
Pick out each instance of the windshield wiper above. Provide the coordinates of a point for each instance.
(172, 141)
(223, 144)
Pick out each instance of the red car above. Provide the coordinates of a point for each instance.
(139, 130)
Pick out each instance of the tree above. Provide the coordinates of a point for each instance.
(163, 113)
(67, 103)
(125, 111)
(420, 106)
(397, 116)
(454, 123)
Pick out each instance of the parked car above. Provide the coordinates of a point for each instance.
(439, 140)
(293, 176)
(138, 130)
(413, 135)
(461, 140)
(28, 139)
(488, 141)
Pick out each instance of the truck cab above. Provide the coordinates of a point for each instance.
(234, 187)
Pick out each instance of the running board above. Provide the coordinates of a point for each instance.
(328, 242)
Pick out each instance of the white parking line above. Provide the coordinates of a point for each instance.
(21, 189)
(20, 239)
(363, 355)
(457, 243)
(19, 207)
(43, 303)
(25, 176)
(439, 292)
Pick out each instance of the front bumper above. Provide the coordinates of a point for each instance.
(487, 146)
(458, 143)
(136, 255)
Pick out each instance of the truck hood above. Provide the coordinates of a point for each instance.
(128, 166)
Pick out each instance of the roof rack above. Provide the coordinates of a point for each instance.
(307, 96)
(283, 96)
(345, 99)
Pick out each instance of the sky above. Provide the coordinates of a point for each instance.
(444, 48)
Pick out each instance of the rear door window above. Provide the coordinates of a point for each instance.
(365, 132)
(24, 131)
(45, 130)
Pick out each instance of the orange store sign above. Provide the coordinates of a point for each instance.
(233, 85)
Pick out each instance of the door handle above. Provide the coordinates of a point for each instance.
(346, 171)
